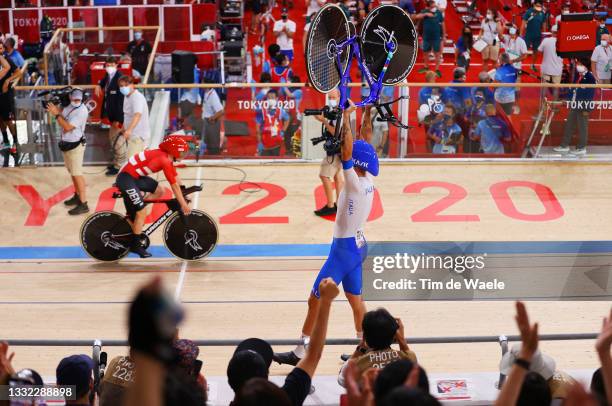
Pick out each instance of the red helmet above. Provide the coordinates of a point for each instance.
(174, 146)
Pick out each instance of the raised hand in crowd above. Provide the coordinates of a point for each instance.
(153, 318)
(6, 367)
(602, 345)
(359, 394)
(529, 337)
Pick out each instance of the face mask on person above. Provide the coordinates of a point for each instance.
(125, 90)
(332, 103)
(565, 12)
(111, 70)
(447, 116)
(581, 69)
(138, 36)
(284, 17)
(604, 43)
(512, 31)
(435, 97)
(479, 99)
(75, 103)
(466, 33)
(602, 25)
(489, 16)
(433, 10)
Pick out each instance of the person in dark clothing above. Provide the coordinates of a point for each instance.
(8, 73)
(112, 109)
(139, 49)
(252, 357)
(580, 106)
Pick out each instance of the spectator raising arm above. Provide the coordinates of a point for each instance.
(602, 345)
(529, 337)
(328, 290)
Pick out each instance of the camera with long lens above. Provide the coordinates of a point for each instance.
(332, 144)
(59, 97)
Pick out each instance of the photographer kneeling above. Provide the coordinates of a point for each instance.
(72, 119)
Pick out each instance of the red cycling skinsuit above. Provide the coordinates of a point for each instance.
(133, 177)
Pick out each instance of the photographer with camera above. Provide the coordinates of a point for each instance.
(72, 120)
(330, 165)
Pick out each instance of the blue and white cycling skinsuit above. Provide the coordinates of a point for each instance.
(349, 247)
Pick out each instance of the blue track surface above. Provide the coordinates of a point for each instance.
(321, 250)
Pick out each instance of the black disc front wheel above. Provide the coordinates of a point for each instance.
(389, 24)
(106, 236)
(191, 237)
(329, 28)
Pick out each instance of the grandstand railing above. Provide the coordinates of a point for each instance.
(527, 132)
(331, 341)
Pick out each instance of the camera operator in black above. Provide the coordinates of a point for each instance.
(8, 73)
(112, 108)
(331, 167)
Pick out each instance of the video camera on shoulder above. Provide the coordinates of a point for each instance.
(60, 97)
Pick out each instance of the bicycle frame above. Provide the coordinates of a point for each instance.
(375, 85)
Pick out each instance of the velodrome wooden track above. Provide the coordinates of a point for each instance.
(48, 290)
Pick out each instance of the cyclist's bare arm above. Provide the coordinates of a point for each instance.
(366, 126)
(176, 189)
(347, 142)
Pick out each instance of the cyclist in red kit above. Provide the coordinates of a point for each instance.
(133, 182)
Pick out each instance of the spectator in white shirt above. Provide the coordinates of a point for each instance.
(313, 7)
(491, 31)
(212, 111)
(602, 59)
(136, 128)
(516, 48)
(284, 30)
(552, 64)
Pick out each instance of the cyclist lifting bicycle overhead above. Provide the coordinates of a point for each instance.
(349, 247)
(133, 181)
(385, 51)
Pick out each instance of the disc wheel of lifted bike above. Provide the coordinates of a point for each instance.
(328, 28)
(377, 28)
(191, 237)
(106, 236)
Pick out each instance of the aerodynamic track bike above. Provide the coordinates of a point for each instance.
(385, 50)
(106, 235)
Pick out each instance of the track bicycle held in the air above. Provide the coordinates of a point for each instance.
(385, 50)
(106, 235)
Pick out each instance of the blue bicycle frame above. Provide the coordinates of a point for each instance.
(375, 85)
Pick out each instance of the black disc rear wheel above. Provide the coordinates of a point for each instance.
(377, 28)
(328, 28)
(106, 236)
(191, 237)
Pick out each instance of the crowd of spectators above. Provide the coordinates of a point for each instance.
(504, 45)
(163, 369)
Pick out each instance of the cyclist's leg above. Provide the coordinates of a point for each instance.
(134, 205)
(149, 185)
